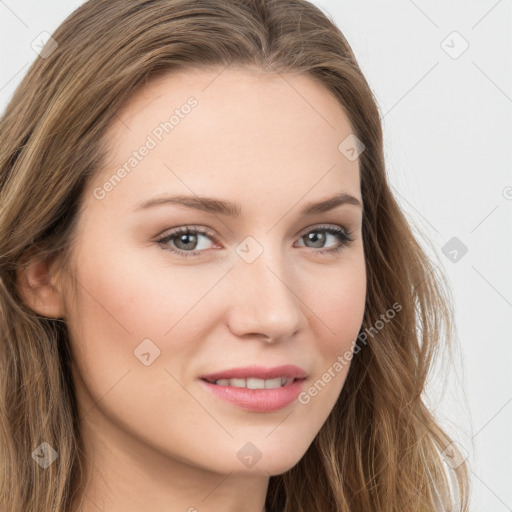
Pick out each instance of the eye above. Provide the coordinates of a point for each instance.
(344, 237)
(186, 240)
(187, 237)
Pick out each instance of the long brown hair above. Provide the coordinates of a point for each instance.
(380, 449)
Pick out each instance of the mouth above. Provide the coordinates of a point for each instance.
(257, 388)
(254, 383)
(257, 377)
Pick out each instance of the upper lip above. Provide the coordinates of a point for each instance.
(258, 372)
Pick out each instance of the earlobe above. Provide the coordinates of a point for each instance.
(40, 288)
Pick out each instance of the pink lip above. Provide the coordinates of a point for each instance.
(259, 372)
(258, 400)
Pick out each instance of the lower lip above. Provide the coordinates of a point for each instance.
(258, 400)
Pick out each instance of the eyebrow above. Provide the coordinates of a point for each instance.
(230, 209)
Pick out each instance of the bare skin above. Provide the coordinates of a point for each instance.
(155, 437)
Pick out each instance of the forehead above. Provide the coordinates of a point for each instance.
(228, 131)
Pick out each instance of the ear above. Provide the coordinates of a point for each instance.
(40, 287)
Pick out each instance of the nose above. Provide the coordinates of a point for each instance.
(264, 303)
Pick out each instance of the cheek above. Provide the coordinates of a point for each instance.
(122, 312)
(136, 294)
(339, 313)
(338, 299)
(131, 305)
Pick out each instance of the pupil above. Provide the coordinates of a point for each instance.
(183, 239)
(319, 239)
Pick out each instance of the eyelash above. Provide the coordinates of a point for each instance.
(344, 235)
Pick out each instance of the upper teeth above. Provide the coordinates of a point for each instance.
(253, 383)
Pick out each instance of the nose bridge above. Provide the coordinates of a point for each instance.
(264, 301)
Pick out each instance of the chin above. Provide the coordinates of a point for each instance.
(262, 469)
(256, 458)
(276, 458)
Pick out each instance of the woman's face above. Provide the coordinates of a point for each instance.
(256, 282)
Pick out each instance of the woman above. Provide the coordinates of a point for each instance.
(279, 365)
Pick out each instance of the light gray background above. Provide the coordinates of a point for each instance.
(448, 138)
